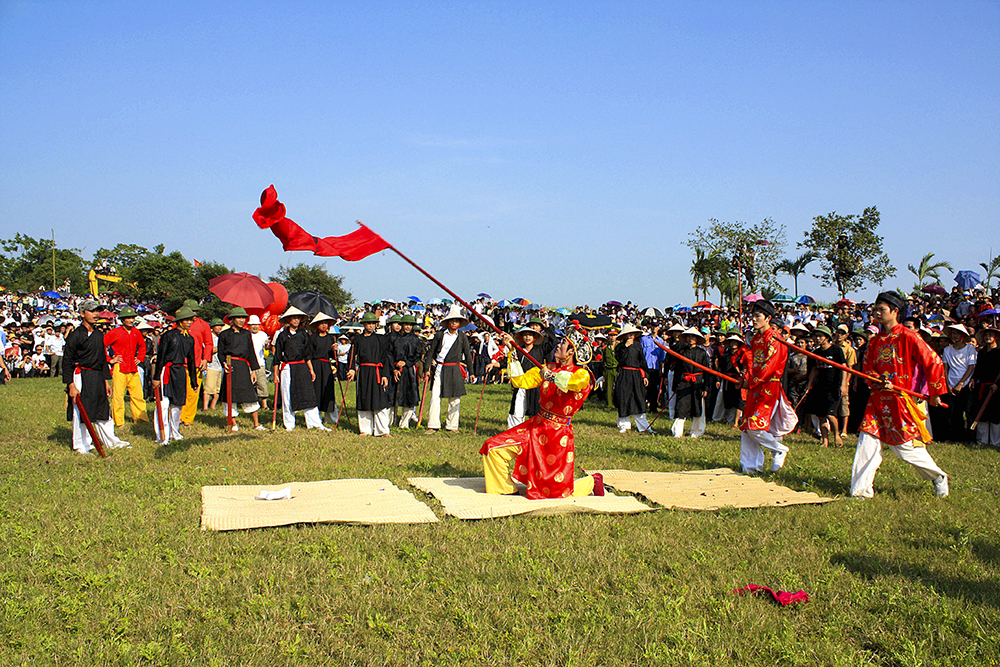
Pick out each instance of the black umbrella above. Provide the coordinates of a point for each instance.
(311, 303)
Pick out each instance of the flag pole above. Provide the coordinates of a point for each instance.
(460, 300)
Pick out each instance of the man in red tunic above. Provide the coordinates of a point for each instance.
(892, 418)
(768, 415)
(128, 350)
(542, 447)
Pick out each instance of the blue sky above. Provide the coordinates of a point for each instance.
(555, 151)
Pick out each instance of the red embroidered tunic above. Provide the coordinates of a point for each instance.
(545, 459)
(898, 353)
(767, 365)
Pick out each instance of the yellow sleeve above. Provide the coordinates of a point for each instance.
(579, 380)
(529, 380)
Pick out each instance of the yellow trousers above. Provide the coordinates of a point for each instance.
(120, 383)
(191, 403)
(496, 469)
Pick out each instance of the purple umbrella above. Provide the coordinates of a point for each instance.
(613, 303)
(934, 289)
(751, 298)
(484, 295)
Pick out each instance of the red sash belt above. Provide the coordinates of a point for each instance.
(629, 368)
(460, 365)
(292, 363)
(691, 377)
(76, 371)
(322, 359)
(378, 372)
(553, 417)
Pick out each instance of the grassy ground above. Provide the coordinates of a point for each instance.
(103, 561)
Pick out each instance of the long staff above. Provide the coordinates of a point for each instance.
(90, 427)
(343, 391)
(982, 408)
(277, 395)
(462, 301)
(848, 369)
(423, 395)
(229, 392)
(695, 363)
(159, 410)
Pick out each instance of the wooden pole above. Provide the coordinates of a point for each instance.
(229, 392)
(90, 427)
(982, 408)
(482, 391)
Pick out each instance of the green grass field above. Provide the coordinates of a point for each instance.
(104, 563)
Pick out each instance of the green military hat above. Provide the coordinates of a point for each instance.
(192, 304)
(825, 330)
(216, 322)
(183, 313)
(536, 320)
(407, 319)
(369, 317)
(238, 311)
(127, 311)
(396, 318)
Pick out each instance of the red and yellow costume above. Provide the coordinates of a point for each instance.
(768, 358)
(542, 446)
(131, 347)
(892, 416)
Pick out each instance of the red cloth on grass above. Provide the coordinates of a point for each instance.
(783, 598)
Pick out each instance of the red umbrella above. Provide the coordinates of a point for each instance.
(934, 289)
(704, 304)
(844, 302)
(752, 298)
(522, 302)
(242, 289)
(106, 315)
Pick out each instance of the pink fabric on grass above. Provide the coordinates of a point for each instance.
(783, 598)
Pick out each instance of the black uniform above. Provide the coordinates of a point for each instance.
(372, 360)
(322, 349)
(238, 345)
(176, 354)
(532, 397)
(689, 383)
(84, 352)
(824, 396)
(294, 350)
(409, 349)
(629, 391)
(452, 378)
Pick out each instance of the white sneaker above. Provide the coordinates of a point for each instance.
(779, 460)
(941, 486)
(259, 427)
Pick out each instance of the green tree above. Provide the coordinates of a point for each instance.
(167, 278)
(927, 272)
(705, 271)
(796, 267)
(760, 246)
(26, 263)
(849, 250)
(315, 278)
(211, 306)
(992, 269)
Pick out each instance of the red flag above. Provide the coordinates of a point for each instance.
(197, 263)
(352, 247)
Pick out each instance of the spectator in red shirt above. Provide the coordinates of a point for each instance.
(126, 350)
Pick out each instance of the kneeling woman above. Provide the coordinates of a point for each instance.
(542, 447)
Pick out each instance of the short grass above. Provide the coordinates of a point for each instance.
(102, 562)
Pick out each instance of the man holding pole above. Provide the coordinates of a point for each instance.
(892, 418)
(236, 352)
(768, 415)
(87, 375)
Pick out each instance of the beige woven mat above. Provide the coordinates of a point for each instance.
(363, 501)
(706, 489)
(466, 498)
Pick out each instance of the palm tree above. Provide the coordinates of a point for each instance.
(796, 267)
(728, 290)
(928, 273)
(704, 271)
(992, 271)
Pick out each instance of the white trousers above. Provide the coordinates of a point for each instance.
(672, 402)
(374, 423)
(171, 415)
(988, 434)
(82, 442)
(718, 413)
(868, 457)
(434, 416)
(409, 414)
(697, 425)
(641, 423)
(517, 417)
(332, 416)
(752, 446)
(287, 416)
